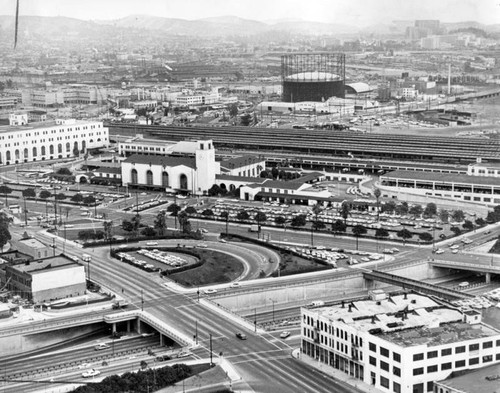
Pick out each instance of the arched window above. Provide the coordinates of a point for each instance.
(91, 141)
(51, 149)
(59, 148)
(25, 153)
(164, 179)
(16, 155)
(7, 155)
(68, 147)
(232, 187)
(98, 139)
(75, 146)
(133, 175)
(222, 186)
(35, 152)
(43, 151)
(149, 178)
(84, 146)
(183, 182)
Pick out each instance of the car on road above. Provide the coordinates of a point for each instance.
(223, 240)
(100, 347)
(241, 336)
(90, 373)
(162, 358)
(74, 258)
(464, 284)
(285, 334)
(439, 251)
(183, 354)
(210, 291)
(235, 285)
(84, 365)
(203, 230)
(151, 243)
(201, 245)
(454, 251)
(181, 196)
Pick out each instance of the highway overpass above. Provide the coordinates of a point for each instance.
(419, 286)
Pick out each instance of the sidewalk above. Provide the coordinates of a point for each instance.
(361, 386)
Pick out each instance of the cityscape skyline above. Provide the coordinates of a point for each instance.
(324, 11)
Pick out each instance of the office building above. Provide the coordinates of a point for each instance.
(23, 142)
(398, 344)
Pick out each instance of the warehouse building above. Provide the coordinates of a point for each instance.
(46, 279)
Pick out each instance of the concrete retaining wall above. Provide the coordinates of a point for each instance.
(323, 290)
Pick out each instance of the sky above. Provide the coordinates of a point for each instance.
(350, 12)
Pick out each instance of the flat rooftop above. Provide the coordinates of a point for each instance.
(443, 178)
(414, 320)
(484, 380)
(45, 124)
(38, 266)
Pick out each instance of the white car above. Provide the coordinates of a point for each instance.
(151, 243)
(235, 285)
(84, 365)
(210, 291)
(90, 373)
(285, 334)
(439, 251)
(183, 354)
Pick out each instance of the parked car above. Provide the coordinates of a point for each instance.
(100, 347)
(90, 373)
(241, 336)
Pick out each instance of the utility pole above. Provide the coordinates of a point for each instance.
(142, 300)
(211, 364)
(227, 223)
(255, 319)
(196, 332)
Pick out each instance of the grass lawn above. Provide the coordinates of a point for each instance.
(292, 264)
(218, 268)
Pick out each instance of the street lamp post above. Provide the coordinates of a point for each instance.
(196, 331)
(142, 300)
(255, 319)
(273, 301)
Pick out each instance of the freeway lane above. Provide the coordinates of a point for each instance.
(265, 361)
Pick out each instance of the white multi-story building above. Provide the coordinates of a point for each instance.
(50, 140)
(398, 344)
(43, 98)
(197, 99)
(84, 94)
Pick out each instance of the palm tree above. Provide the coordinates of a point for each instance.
(316, 210)
(358, 230)
(108, 226)
(376, 194)
(345, 211)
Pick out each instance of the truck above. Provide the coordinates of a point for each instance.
(254, 228)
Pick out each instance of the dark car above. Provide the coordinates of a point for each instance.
(162, 358)
(241, 336)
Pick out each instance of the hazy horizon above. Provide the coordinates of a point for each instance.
(348, 12)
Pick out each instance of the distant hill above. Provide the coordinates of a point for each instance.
(59, 27)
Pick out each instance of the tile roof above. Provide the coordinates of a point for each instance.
(162, 160)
